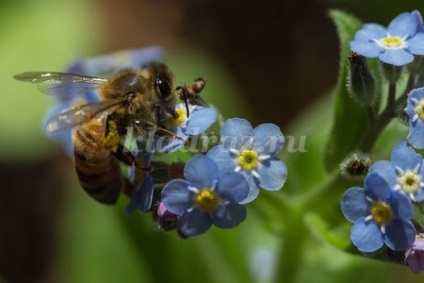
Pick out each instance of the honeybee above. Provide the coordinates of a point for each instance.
(140, 99)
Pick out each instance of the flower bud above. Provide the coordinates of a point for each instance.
(360, 81)
(355, 166)
(166, 219)
(414, 256)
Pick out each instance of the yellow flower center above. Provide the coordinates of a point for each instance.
(206, 200)
(381, 213)
(112, 139)
(409, 182)
(182, 117)
(419, 109)
(392, 42)
(248, 159)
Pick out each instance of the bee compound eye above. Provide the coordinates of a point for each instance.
(163, 86)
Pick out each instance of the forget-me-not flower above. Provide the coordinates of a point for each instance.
(251, 152)
(404, 172)
(206, 196)
(380, 216)
(415, 112)
(396, 45)
(198, 121)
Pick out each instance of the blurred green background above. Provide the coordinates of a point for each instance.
(269, 61)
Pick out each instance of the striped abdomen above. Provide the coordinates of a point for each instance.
(97, 168)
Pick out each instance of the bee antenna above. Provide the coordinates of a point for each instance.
(185, 100)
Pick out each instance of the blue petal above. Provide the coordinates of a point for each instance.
(403, 25)
(377, 187)
(386, 169)
(369, 32)
(269, 139)
(233, 187)
(65, 137)
(201, 172)
(222, 158)
(366, 236)
(273, 174)
(416, 44)
(176, 197)
(228, 216)
(236, 133)
(419, 19)
(116, 61)
(401, 205)
(354, 204)
(253, 188)
(400, 235)
(405, 156)
(194, 223)
(419, 195)
(416, 134)
(168, 144)
(200, 120)
(367, 49)
(142, 195)
(417, 93)
(397, 57)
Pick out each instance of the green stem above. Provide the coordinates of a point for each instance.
(296, 234)
(381, 121)
(370, 114)
(291, 250)
(411, 84)
(391, 96)
(391, 110)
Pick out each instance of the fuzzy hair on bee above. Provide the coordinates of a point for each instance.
(138, 98)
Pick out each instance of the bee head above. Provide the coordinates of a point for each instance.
(164, 86)
(126, 83)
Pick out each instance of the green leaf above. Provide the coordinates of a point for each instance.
(338, 237)
(45, 36)
(349, 117)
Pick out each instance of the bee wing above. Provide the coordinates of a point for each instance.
(79, 114)
(60, 84)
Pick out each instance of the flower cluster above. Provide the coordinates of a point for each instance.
(217, 185)
(385, 212)
(213, 186)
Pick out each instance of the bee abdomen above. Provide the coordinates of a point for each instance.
(98, 170)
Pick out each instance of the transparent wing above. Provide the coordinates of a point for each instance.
(79, 114)
(60, 84)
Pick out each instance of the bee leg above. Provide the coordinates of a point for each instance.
(192, 93)
(125, 156)
(127, 188)
(162, 131)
